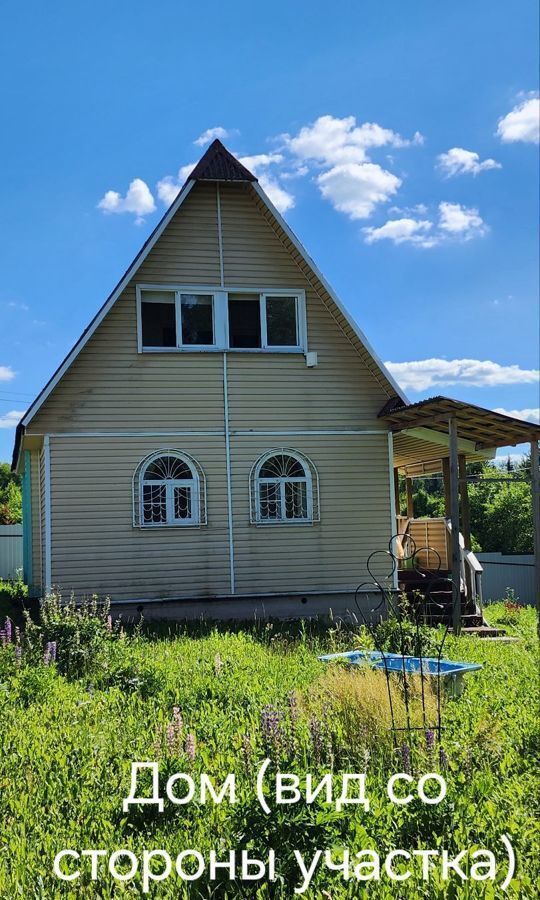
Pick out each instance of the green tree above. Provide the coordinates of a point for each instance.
(10, 496)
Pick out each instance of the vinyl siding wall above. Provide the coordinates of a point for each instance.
(112, 388)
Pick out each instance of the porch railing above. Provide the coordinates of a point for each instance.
(435, 535)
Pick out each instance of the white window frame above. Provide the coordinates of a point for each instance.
(177, 302)
(196, 484)
(264, 322)
(311, 480)
(220, 316)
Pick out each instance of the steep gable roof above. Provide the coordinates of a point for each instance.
(218, 164)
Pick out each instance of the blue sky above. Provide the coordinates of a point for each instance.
(364, 120)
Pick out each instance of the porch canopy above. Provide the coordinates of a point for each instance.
(441, 434)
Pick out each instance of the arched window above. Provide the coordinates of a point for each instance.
(169, 489)
(284, 489)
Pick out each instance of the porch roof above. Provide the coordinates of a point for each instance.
(484, 428)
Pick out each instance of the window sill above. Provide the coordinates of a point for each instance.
(291, 524)
(260, 350)
(160, 525)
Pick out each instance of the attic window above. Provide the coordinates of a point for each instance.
(173, 319)
(264, 321)
(177, 318)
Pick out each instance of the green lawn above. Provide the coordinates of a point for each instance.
(66, 746)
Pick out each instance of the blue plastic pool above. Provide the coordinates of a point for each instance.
(412, 665)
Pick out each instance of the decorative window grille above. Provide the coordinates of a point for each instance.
(284, 489)
(169, 488)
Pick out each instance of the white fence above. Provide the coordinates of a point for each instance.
(11, 550)
(502, 571)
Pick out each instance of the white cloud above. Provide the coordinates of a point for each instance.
(419, 210)
(258, 164)
(419, 375)
(332, 141)
(211, 134)
(458, 161)
(356, 188)
(11, 419)
(6, 373)
(460, 221)
(522, 123)
(530, 415)
(14, 304)
(281, 198)
(401, 231)
(138, 200)
(261, 161)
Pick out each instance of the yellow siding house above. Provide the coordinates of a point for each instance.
(211, 445)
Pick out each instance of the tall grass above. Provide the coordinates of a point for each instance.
(67, 742)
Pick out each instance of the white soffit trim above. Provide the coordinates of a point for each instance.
(318, 274)
(111, 300)
(437, 437)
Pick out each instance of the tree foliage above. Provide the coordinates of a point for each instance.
(500, 505)
(10, 496)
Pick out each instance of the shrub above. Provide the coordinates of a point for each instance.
(74, 636)
(405, 636)
(13, 589)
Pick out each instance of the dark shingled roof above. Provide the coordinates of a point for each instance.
(218, 164)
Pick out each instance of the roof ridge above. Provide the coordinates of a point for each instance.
(219, 164)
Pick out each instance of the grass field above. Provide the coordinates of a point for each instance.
(67, 743)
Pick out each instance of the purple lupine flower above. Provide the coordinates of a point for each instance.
(406, 758)
(177, 719)
(108, 624)
(218, 664)
(174, 731)
(443, 758)
(8, 628)
(271, 727)
(430, 740)
(18, 654)
(292, 702)
(49, 655)
(190, 746)
(17, 634)
(3, 638)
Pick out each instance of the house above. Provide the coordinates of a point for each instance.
(222, 440)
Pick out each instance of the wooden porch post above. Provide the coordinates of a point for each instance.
(396, 493)
(535, 491)
(446, 483)
(410, 503)
(454, 518)
(465, 509)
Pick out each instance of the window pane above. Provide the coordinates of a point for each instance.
(295, 500)
(158, 320)
(182, 503)
(269, 501)
(244, 321)
(154, 504)
(282, 466)
(281, 327)
(167, 467)
(197, 319)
